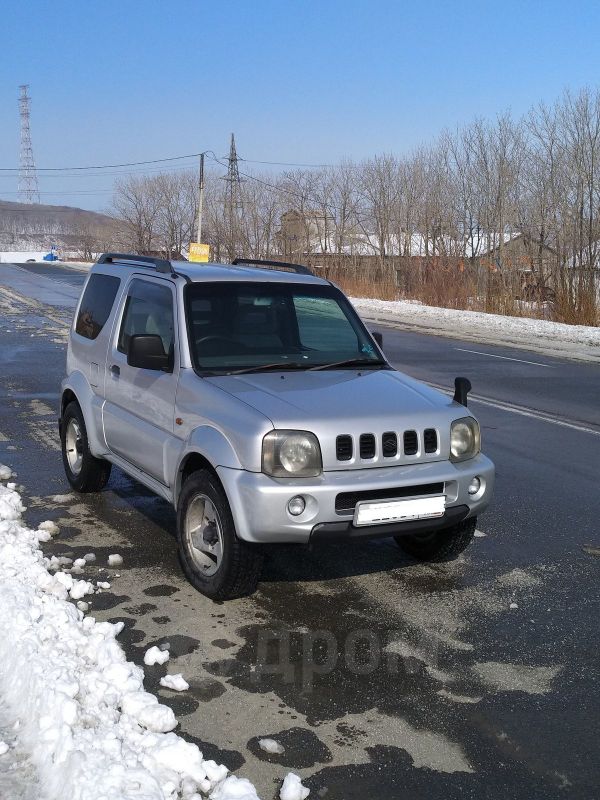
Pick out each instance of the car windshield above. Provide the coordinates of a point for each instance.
(246, 327)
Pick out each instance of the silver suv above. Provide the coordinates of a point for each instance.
(252, 397)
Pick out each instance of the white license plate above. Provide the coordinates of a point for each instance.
(386, 511)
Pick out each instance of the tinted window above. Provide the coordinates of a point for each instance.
(321, 319)
(96, 305)
(148, 309)
(249, 325)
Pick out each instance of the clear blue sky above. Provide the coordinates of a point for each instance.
(128, 80)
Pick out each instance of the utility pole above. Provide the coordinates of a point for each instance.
(29, 190)
(200, 198)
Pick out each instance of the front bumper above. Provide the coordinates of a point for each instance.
(259, 502)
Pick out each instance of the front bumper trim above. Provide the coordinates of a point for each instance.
(339, 531)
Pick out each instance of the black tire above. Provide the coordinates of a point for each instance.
(237, 567)
(443, 545)
(93, 473)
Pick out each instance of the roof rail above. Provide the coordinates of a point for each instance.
(159, 264)
(284, 265)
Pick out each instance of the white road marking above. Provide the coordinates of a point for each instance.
(505, 358)
(524, 412)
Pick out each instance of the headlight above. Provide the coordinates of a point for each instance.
(465, 439)
(291, 454)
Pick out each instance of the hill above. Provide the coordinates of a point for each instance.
(74, 231)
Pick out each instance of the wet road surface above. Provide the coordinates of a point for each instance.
(381, 677)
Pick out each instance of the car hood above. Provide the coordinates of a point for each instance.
(350, 403)
(300, 397)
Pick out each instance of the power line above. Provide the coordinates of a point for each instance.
(125, 172)
(282, 163)
(106, 166)
(163, 161)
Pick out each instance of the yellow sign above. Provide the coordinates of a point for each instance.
(199, 252)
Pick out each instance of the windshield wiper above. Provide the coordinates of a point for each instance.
(265, 367)
(351, 362)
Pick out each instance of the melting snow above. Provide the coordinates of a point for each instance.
(92, 730)
(176, 682)
(271, 746)
(49, 526)
(292, 788)
(155, 656)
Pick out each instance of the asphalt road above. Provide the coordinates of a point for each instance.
(382, 678)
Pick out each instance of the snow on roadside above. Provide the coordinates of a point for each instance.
(18, 777)
(92, 730)
(575, 340)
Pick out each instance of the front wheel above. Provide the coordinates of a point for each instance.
(214, 560)
(85, 472)
(444, 545)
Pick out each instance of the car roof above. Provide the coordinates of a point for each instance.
(211, 271)
(204, 272)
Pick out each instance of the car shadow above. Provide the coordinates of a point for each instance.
(283, 563)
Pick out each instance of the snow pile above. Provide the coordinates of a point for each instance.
(154, 655)
(292, 788)
(91, 728)
(537, 334)
(232, 787)
(176, 682)
(5, 473)
(4, 748)
(49, 526)
(115, 560)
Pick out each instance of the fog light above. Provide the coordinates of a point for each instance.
(474, 486)
(296, 506)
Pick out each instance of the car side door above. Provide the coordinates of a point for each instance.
(139, 408)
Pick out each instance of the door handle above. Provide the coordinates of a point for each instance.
(116, 371)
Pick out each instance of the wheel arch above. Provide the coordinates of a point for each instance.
(192, 462)
(79, 391)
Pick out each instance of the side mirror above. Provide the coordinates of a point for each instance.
(146, 351)
(378, 338)
(462, 387)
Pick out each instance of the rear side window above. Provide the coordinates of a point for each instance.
(148, 309)
(96, 305)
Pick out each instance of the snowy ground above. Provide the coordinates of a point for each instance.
(552, 338)
(74, 714)
(18, 776)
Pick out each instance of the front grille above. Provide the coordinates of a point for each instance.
(430, 440)
(411, 443)
(367, 445)
(343, 448)
(389, 444)
(345, 502)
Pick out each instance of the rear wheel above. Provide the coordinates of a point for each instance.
(215, 561)
(443, 545)
(85, 472)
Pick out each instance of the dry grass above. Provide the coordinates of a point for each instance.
(575, 300)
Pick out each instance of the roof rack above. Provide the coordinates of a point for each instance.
(159, 264)
(284, 265)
